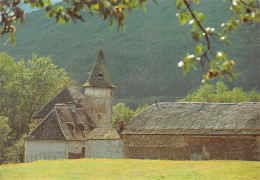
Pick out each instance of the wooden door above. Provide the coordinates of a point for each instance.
(196, 152)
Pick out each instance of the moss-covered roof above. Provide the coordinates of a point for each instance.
(99, 76)
(197, 118)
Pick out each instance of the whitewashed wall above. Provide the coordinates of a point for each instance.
(105, 149)
(76, 146)
(39, 150)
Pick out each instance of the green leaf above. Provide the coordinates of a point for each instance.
(196, 34)
(198, 50)
(11, 38)
(186, 67)
(182, 18)
(179, 4)
(144, 8)
(194, 67)
(202, 18)
(196, 1)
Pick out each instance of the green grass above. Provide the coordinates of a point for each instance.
(131, 169)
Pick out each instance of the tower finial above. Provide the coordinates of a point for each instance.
(101, 44)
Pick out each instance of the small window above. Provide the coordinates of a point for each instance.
(81, 128)
(100, 75)
(70, 126)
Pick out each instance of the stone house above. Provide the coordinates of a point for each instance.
(73, 125)
(195, 131)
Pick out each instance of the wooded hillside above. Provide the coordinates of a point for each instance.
(142, 58)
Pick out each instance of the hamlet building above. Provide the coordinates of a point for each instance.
(73, 125)
(195, 131)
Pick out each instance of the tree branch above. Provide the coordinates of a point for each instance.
(203, 30)
(243, 2)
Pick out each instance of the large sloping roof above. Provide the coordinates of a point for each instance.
(55, 126)
(197, 118)
(48, 129)
(99, 76)
(68, 94)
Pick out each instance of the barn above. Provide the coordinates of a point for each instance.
(194, 131)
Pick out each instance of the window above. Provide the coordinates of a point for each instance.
(81, 127)
(100, 75)
(70, 127)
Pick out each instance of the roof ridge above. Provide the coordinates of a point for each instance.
(208, 102)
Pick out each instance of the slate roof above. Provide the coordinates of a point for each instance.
(55, 126)
(68, 94)
(101, 133)
(197, 118)
(99, 76)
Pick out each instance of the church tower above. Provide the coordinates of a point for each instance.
(99, 93)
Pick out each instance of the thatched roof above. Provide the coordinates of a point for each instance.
(99, 76)
(68, 94)
(100, 133)
(56, 126)
(197, 118)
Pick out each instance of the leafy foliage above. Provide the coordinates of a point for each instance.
(25, 87)
(115, 11)
(220, 65)
(142, 58)
(4, 134)
(121, 113)
(221, 93)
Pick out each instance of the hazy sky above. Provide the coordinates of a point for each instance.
(27, 8)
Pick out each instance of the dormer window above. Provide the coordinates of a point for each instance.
(100, 75)
(81, 126)
(70, 125)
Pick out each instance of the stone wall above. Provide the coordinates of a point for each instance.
(191, 147)
(98, 101)
(105, 149)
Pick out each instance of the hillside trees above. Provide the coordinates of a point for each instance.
(122, 114)
(25, 87)
(221, 93)
(214, 63)
(4, 132)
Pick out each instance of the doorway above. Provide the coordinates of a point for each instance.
(83, 152)
(196, 152)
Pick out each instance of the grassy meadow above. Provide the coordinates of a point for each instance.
(131, 169)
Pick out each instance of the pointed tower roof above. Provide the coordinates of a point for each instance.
(99, 76)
